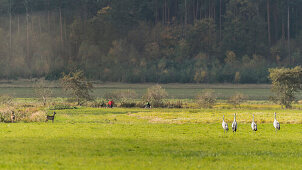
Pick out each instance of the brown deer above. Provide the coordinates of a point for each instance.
(12, 117)
(51, 117)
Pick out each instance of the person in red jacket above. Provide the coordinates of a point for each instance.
(110, 103)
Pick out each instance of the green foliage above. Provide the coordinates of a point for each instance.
(62, 107)
(156, 95)
(76, 84)
(206, 99)
(149, 40)
(286, 83)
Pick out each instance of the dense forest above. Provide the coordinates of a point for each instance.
(185, 41)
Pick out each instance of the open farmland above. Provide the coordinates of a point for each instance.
(158, 138)
(91, 138)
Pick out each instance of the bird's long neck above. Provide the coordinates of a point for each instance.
(223, 117)
(253, 118)
(235, 116)
(275, 116)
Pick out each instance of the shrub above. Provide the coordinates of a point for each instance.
(27, 115)
(156, 95)
(39, 116)
(62, 107)
(5, 114)
(206, 99)
(6, 99)
(177, 104)
(236, 99)
(43, 92)
(96, 103)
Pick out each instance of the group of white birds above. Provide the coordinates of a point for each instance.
(253, 125)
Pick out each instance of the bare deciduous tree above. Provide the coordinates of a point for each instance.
(75, 84)
(42, 91)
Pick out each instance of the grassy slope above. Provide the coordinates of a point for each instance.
(152, 139)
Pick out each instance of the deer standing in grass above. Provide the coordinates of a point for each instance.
(52, 118)
(13, 117)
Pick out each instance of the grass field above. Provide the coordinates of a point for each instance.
(120, 138)
(90, 138)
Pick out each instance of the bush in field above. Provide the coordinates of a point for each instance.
(26, 115)
(5, 114)
(206, 99)
(97, 103)
(43, 92)
(156, 95)
(39, 116)
(176, 104)
(6, 99)
(237, 99)
(75, 83)
(61, 107)
(285, 84)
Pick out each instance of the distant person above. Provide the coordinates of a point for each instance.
(103, 104)
(148, 105)
(110, 104)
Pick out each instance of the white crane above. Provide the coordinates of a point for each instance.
(254, 125)
(234, 124)
(224, 125)
(276, 123)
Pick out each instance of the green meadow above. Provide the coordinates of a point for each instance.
(158, 138)
(119, 138)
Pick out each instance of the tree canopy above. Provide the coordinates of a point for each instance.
(286, 83)
(160, 41)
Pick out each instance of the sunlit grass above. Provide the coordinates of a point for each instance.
(119, 138)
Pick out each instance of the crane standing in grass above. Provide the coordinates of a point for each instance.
(276, 123)
(224, 125)
(234, 124)
(254, 125)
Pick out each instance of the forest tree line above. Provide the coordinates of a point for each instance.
(137, 41)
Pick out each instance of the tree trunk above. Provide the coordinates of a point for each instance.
(288, 34)
(61, 29)
(18, 24)
(220, 16)
(10, 29)
(48, 16)
(268, 23)
(186, 15)
(27, 34)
